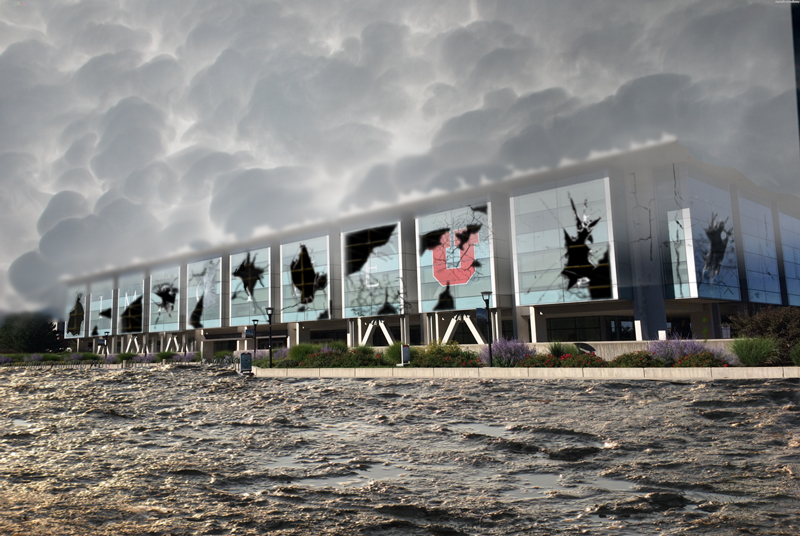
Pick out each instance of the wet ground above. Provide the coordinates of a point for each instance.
(201, 450)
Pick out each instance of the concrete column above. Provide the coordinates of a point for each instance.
(405, 329)
(538, 325)
(706, 322)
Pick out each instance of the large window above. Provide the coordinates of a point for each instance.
(100, 307)
(130, 312)
(760, 256)
(698, 250)
(714, 247)
(790, 242)
(250, 285)
(203, 304)
(564, 247)
(372, 272)
(76, 313)
(304, 280)
(455, 259)
(164, 295)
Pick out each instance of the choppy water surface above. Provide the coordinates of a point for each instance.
(168, 451)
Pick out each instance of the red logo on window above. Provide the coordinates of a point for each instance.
(466, 262)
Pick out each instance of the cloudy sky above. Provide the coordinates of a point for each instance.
(134, 130)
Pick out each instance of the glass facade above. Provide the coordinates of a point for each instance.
(760, 255)
(713, 243)
(564, 246)
(76, 312)
(164, 295)
(372, 272)
(130, 310)
(101, 303)
(790, 241)
(454, 262)
(203, 304)
(250, 280)
(304, 280)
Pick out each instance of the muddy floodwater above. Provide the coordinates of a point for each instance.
(202, 450)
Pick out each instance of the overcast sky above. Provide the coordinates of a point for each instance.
(134, 130)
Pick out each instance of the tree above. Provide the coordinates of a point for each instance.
(29, 332)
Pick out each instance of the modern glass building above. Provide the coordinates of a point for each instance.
(630, 246)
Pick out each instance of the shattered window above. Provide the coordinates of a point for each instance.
(100, 307)
(164, 298)
(714, 246)
(76, 312)
(454, 259)
(250, 295)
(304, 280)
(563, 244)
(130, 307)
(203, 304)
(372, 272)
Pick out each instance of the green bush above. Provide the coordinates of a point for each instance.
(165, 356)
(222, 354)
(640, 359)
(541, 361)
(392, 355)
(125, 356)
(437, 354)
(300, 351)
(558, 349)
(779, 323)
(286, 362)
(90, 356)
(794, 355)
(582, 361)
(702, 359)
(755, 352)
(349, 359)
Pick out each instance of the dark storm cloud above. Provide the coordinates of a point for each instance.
(132, 130)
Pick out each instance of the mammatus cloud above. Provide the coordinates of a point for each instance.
(136, 130)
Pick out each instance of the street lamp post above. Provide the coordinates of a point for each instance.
(255, 339)
(486, 294)
(269, 319)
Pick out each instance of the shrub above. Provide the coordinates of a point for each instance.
(558, 349)
(437, 354)
(146, 358)
(755, 352)
(278, 354)
(222, 354)
(286, 362)
(642, 358)
(779, 323)
(582, 360)
(165, 356)
(540, 361)
(185, 357)
(392, 354)
(300, 351)
(702, 359)
(110, 358)
(352, 358)
(794, 355)
(90, 356)
(5, 360)
(506, 352)
(674, 348)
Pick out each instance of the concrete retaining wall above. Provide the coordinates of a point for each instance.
(665, 373)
